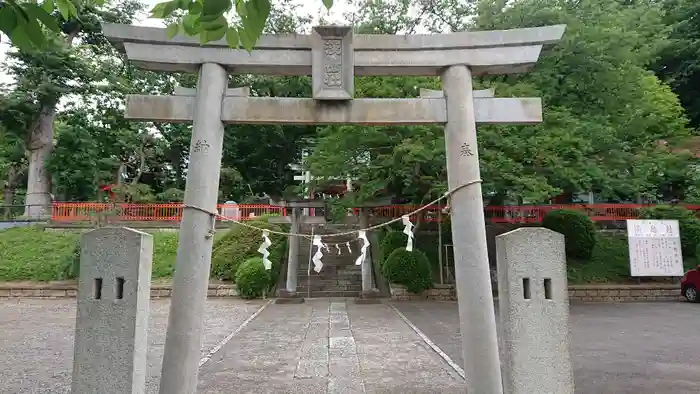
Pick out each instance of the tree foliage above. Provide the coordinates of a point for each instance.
(679, 60)
(617, 91)
(604, 112)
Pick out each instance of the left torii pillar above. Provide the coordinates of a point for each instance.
(289, 295)
(183, 340)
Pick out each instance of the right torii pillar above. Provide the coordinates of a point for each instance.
(473, 280)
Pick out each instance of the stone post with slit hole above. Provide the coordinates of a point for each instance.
(533, 300)
(111, 326)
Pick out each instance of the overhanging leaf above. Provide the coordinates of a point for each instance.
(194, 8)
(40, 14)
(165, 9)
(190, 24)
(48, 6)
(8, 20)
(217, 24)
(232, 37)
(66, 8)
(215, 7)
(214, 35)
(173, 29)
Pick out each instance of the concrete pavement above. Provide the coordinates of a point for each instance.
(625, 348)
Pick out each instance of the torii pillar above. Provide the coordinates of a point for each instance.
(289, 295)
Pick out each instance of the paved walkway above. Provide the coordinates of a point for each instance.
(328, 346)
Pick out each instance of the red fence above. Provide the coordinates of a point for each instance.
(84, 211)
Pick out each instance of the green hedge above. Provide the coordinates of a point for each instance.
(688, 223)
(241, 243)
(410, 269)
(252, 279)
(578, 230)
(392, 240)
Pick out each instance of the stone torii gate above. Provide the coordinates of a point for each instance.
(333, 56)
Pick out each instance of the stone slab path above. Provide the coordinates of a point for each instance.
(328, 346)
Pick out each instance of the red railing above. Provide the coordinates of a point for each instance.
(84, 211)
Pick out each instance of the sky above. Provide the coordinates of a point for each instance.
(313, 7)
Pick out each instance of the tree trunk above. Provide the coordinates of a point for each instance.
(37, 203)
(9, 192)
(9, 196)
(38, 200)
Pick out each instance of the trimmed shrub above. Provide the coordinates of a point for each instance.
(578, 230)
(392, 241)
(410, 269)
(252, 279)
(688, 223)
(240, 244)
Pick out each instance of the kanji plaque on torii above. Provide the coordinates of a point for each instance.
(332, 63)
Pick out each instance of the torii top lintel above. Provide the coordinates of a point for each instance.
(485, 52)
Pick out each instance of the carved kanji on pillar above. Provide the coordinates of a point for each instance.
(332, 63)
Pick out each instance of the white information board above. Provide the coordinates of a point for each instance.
(655, 248)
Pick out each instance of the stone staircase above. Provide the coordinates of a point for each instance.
(340, 277)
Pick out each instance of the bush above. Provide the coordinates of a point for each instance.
(688, 223)
(578, 230)
(252, 279)
(609, 262)
(410, 269)
(240, 244)
(392, 241)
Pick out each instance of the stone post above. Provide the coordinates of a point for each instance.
(293, 256)
(476, 310)
(533, 301)
(112, 320)
(367, 285)
(183, 340)
(370, 294)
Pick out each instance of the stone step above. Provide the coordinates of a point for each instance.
(326, 294)
(336, 267)
(332, 262)
(327, 274)
(328, 257)
(316, 287)
(330, 282)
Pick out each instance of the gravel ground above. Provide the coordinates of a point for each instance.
(36, 340)
(630, 348)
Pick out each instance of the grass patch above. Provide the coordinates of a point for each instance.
(32, 254)
(164, 253)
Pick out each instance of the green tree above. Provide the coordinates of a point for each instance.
(596, 79)
(679, 61)
(44, 77)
